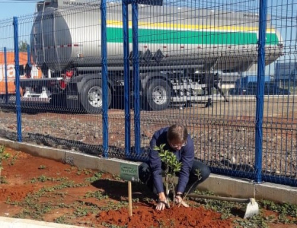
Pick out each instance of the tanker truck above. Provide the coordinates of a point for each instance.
(181, 51)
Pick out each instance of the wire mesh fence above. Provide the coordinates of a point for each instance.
(192, 62)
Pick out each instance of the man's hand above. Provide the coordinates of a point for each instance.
(162, 203)
(179, 201)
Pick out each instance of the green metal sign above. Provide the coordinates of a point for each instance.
(129, 171)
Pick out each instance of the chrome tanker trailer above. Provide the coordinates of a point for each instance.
(181, 51)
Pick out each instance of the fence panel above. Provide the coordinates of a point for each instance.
(279, 124)
(7, 79)
(220, 39)
(7, 72)
(61, 80)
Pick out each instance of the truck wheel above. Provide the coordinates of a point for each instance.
(158, 95)
(91, 96)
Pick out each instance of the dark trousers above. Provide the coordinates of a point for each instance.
(146, 176)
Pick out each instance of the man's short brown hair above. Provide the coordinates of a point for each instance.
(177, 133)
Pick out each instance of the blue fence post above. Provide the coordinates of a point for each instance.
(126, 78)
(17, 79)
(260, 90)
(5, 70)
(104, 75)
(136, 76)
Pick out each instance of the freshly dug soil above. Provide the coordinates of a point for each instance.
(46, 190)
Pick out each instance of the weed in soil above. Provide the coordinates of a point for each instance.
(3, 156)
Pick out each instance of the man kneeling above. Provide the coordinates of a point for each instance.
(179, 142)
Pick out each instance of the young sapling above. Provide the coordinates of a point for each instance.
(172, 166)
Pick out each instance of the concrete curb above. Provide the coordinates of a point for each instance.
(235, 187)
(26, 223)
(218, 184)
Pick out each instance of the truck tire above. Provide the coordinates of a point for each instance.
(158, 95)
(91, 96)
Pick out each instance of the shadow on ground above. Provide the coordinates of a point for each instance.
(117, 189)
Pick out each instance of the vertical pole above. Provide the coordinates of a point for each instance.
(130, 198)
(104, 75)
(28, 55)
(126, 78)
(17, 80)
(136, 76)
(260, 90)
(28, 74)
(5, 70)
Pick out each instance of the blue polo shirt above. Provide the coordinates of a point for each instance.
(184, 155)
